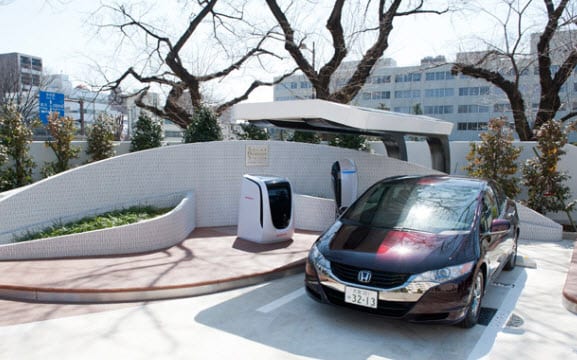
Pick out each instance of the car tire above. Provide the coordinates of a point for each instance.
(512, 261)
(474, 307)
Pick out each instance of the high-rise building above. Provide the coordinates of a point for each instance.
(431, 89)
(19, 71)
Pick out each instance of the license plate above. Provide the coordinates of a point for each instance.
(362, 297)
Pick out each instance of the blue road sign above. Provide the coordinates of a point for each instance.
(50, 102)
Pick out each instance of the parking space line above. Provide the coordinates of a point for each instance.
(498, 323)
(281, 301)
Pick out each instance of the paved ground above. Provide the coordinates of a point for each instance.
(211, 259)
(274, 319)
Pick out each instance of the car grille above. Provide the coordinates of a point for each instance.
(379, 279)
(386, 308)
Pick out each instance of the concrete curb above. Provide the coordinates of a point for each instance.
(95, 296)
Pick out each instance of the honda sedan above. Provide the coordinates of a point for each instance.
(420, 248)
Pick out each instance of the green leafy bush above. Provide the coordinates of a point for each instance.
(203, 127)
(62, 130)
(305, 137)
(100, 139)
(251, 132)
(356, 142)
(546, 185)
(15, 138)
(495, 157)
(147, 134)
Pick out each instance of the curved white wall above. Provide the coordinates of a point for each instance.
(211, 170)
(158, 233)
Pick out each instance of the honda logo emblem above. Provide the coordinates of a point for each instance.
(364, 276)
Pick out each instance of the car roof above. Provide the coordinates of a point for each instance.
(457, 179)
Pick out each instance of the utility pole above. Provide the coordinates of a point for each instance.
(81, 103)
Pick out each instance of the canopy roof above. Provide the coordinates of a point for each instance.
(321, 115)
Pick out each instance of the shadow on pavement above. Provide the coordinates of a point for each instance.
(306, 328)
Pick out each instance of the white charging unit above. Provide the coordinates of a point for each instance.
(266, 208)
(345, 182)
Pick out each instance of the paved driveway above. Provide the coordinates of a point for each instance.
(277, 320)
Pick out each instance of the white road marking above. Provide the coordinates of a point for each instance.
(499, 321)
(281, 301)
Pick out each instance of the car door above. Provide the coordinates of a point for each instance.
(507, 211)
(491, 242)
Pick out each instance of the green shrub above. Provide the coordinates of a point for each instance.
(62, 130)
(147, 134)
(356, 142)
(100, 139)
(15, 138)
(546, 185)
(305, 137)
(203, 127)
(495, 157)
(251, 132)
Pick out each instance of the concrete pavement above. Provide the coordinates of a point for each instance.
(209, 260)
(276, 320)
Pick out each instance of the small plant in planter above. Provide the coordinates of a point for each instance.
(103, 221)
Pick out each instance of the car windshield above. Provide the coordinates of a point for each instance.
(430, 205)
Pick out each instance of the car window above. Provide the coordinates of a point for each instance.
(490, 210)
(422, 206)
(500, 196)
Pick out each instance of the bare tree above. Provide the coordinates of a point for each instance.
(380, 13)
(504, 66)
(174, 71)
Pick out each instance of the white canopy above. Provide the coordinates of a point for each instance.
(321, 114)
(324, 116)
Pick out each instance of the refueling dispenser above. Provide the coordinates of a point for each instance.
(265, 213)
(345, 183)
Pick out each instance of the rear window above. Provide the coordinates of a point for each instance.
(426, 205)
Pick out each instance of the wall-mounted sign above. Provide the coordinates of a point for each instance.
(256, 155)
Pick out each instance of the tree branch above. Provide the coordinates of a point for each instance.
(255, 84)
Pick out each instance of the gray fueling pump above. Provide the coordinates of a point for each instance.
(345, 183)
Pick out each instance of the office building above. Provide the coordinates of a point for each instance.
(431, 89)
(21, 72)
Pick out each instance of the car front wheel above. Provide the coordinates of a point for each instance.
(474, 307)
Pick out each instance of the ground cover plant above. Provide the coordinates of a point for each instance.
(103, 221)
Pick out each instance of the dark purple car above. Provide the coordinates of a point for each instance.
(420, 248)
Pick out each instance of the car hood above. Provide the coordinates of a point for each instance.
(394, 250)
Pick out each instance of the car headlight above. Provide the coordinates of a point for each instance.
(445, 274)
(321, 264)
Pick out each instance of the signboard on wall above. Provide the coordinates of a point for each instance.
(50, 102)
(256, 155)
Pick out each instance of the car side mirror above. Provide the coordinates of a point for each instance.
(500, 226)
